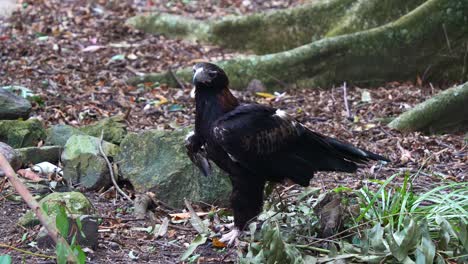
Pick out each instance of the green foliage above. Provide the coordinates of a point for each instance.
(386, 205)
(5, 259)
(197, 241)
(395, 225)
(62, 222)
(273, 248)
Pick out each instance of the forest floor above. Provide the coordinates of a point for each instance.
(76, 56)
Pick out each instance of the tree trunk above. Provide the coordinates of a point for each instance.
(430, 39)
(445, 112)
(281, 30)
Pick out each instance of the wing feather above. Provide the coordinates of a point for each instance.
(255, 131)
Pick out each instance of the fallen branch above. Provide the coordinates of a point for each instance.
(26, 251)
(111, 170)
(179, 82)
(34, 205)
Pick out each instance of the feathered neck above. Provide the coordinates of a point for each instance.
(210, 105)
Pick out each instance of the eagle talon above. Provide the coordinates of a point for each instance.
(231, 237)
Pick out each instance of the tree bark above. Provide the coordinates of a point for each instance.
(445, 112)
(430, 39)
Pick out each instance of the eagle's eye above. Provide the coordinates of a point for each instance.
(212, 74)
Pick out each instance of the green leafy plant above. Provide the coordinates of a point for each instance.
(5, 259)
(62, 223)
(395, 224)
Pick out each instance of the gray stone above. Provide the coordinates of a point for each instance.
(34, 155)
(13, 106)
(83, 163)
(12, 156)
(75, 202)
(156, 161)
(19, 134)
(58, 135)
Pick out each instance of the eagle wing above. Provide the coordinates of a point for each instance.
(269, 142)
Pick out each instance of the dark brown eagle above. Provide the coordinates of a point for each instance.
(256, 143)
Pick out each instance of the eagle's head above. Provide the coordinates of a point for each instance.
(207, 76)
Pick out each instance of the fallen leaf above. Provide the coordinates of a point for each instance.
(175, 108)
(92, 48)
(266, 95)
(183, 216)
(218, 244)
(28, 174)
(117, 57)
(366, 96)
(199, 240)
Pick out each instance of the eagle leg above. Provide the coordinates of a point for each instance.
(246, 202)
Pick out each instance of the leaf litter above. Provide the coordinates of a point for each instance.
(75, 56)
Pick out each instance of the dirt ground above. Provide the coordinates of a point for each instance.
(65, 52)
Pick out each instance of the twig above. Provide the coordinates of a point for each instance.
(32, 203)
(447, 38)
(127, 113)
(111, 171)
(345, 96)
(26, 251)
(321, 250)
(181, 84)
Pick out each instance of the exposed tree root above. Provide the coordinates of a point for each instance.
(423, 42)
(269, 32)
(445, 112)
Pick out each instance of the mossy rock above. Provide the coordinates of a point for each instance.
(75, 202)
(113, 127)
(34, 155)
(19, 133)
(83, 163)
(58, 135)
(157, 161)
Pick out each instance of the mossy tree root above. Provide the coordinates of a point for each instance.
(423, 42)
(281, 30)
(445, 112)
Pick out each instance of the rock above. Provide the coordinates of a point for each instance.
(256, 86)
(12, 156)
(83, 164)
(13, 106)
(114, 129)
(156, 161)
(34, 155)
(59, 134)
(75, 202)
(86, 236)
(19, 134)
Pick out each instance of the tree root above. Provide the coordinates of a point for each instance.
(423, 42)
(445, 112)
(281, 30)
